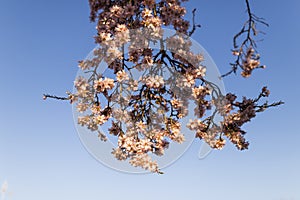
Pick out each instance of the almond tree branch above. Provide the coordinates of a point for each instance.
(248, 31)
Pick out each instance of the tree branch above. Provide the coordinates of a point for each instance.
(250, 31)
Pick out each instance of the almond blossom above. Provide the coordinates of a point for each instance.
(145, 113)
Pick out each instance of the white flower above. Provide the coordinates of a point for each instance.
(220, 144)
(114, 52)
(176, 103)
(200, 71)
(200, 92)
(116, 9)
(105, 36)
(104, 84)
(156, 33)
(82, 107)
(121, 28)
(144, 161)
(122, 34)
(141, 126)
(83, 120)
(119, 154)
(147, 62)
(154, 82)
(188, 80)
(133, 85)
(146, 13)
(158, 81)
(194, 124)
(96, 108)
(179, 138)
(122, 76)
(100, 119)
(121, 115)
(82, 86)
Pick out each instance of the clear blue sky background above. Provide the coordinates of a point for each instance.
(41, 156)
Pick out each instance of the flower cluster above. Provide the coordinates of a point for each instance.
(250, 63)
(102, 85)
(154, 81)
(146, 113)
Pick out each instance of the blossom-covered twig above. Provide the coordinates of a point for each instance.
(246, 54)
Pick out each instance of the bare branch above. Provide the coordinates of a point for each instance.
(195, 26)
(45, 96)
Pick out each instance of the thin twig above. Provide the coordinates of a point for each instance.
(195, 26)
(45, 96)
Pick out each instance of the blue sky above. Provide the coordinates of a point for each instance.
(42, 157)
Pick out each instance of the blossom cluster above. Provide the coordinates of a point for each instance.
(149, 112)
(250, 61)
(146, 113)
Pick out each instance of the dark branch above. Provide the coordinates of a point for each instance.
(45, 96)
(195, 26)
(263, 107)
